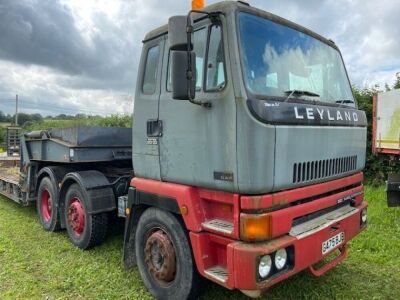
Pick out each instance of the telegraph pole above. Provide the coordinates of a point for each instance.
(16, 110)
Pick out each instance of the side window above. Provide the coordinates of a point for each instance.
(150, 71)
(215, 61)
(199, 46)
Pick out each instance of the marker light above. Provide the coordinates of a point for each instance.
(197, 4)
(265, 266)
(280, 259)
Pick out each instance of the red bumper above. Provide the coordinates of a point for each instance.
(242, 258)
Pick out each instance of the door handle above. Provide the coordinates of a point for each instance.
(154, 128)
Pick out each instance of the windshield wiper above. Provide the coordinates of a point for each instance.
(341, 102)
(300, 93)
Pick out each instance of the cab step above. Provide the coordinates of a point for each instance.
(219, 226)
(217, 273)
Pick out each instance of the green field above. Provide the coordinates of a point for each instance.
(35, 264)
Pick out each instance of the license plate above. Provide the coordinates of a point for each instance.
(332, 243)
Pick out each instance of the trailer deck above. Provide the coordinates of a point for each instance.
(9, 178)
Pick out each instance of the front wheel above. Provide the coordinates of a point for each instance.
(164, 256)
(85, 230)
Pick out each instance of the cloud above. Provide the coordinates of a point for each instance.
(83, 55)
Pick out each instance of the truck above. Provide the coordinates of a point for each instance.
(243, 165)
(386, 137)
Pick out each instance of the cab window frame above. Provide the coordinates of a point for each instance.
(203, 89)
(144, 69)
(215, 90)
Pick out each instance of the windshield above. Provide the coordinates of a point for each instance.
(284, 63)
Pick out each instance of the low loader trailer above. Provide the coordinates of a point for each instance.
(243, 166)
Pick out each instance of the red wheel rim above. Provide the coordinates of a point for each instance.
(76, 216)
(46, 205)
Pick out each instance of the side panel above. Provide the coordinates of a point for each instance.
(145, 149)
(387, 122)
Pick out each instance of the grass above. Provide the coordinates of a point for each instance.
(4, 124)
(35, 264)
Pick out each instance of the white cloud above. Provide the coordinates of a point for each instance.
(82, 55)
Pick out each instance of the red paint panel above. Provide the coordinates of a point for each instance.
(202, 204)
(183, 194)
(387, 151)
(211, 250)
(286, 197)
(307, 253)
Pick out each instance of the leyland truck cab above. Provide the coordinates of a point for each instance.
(278, 110)
(246, 130)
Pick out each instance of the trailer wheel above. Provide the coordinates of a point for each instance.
(164, 256)
(85, 230)
(46, 206)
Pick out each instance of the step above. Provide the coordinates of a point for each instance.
(218, 273)
(219, 226)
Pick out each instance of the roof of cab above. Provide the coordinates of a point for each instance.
(226, 7)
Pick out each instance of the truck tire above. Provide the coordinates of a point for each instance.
(84, 230)
(46, 205)
(164, 256)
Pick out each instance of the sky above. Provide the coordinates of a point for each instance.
(81, 56)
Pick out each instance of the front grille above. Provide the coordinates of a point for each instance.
(312, 170)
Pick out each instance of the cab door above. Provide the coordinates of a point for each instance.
(147, 128)
(198, 146)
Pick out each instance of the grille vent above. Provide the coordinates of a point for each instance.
(311, 170)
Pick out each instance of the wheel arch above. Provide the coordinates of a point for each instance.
(138, 203)
(98, 193)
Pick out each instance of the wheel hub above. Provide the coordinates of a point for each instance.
(46, 205)
(160, 257)
(76, 216)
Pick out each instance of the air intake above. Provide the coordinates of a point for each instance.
(312, 170)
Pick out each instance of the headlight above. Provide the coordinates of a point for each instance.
(364, 217)
(264, 266)
(280, 259)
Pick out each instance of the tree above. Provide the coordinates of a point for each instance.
(397, 82)
(2, 117)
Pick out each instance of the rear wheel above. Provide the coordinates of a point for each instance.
(164, 256)
(85, 230)
(46, 205)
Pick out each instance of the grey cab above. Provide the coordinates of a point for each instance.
(274, 104)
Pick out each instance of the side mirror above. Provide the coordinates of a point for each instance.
(177, 33)
(183, 80)
(183, 75)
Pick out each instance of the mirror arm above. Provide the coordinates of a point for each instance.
(189, 73)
